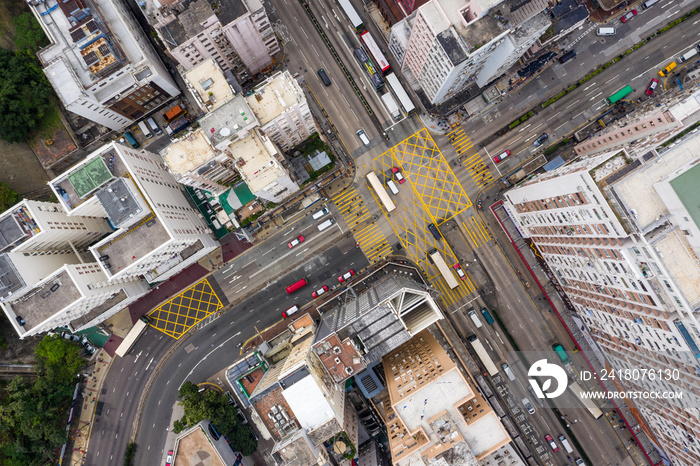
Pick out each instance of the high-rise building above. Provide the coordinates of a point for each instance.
(446, 45)
(100, 62)
(157, 231)
(280, 105)
(208, 85)
(621, 238)
(235, 33)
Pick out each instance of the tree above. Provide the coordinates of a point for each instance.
(8, 197)
(29, 37)
(24, 95)
(212, 405)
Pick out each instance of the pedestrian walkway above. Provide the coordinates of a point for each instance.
(476, 232)
(469, 156)
(373, 243)
(352, 207)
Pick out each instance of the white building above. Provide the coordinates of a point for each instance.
(157, 234)
(280, 105)
(447, 44)
(100, 63)
(208, 85)
(620, 236)
(47, 277)
(235, 33)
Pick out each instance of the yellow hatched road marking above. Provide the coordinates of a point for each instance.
(471, 235)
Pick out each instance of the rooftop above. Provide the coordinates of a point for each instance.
(188, 153)
(46, 299)
(274, 96)
(10, 229)
(10, 280)
(228, 122)
(257, 163)
(680, 260)
(209, 83)
(123, 203)
(686, 186)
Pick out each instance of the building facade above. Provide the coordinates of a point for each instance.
(627, 263)
(100, 63)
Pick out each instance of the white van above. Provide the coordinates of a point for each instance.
(565, 442)
(363, 137)
(392, 186)
(145, 129)
(475, 319)
(646, 5)
(154, 126)
(687, 55)
(320, 213)
(606, 31)
(509, 372)
(326, 224)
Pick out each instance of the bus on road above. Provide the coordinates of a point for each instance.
(295, 286)
(619, 95)
(376, 52)
(352, 15)
(400, 93)
(381, 192)
(132, 336)
(588, 403)
(445, 271)
(483, 355)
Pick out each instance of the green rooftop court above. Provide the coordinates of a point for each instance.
(686, 187)
(90, 177)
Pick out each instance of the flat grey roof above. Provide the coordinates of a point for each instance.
(10, 231)
(231, 10)
(10, 280)
(119, 202)
(46, 300)
(173, 34)
(135, 243)
(452, 45)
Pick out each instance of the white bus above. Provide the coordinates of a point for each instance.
(401, 94)
(483, 355)
(381, 192)
(132, 336)
(445, 271)
(352, 15)
(586, 402)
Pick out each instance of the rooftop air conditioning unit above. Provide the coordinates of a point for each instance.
(337, 350)
(349, 370)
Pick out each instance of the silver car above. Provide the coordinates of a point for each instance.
(528, 406)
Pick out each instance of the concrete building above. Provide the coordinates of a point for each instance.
(195, 163)
(157, 232)
(620, 236)
(47, 277)
(208, 85)
(100, 62)
(568, 16)
(235, 33)
(433, 414)
(445, 45)
(280, 105)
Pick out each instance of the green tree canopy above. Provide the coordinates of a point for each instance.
(29, 37)
(215, 407)
(24, 95)
(8, 197)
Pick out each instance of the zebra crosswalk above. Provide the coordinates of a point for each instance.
(469, 156)
(370, 238)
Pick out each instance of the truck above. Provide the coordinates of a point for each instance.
(391, 105)
(177, 125)
(131, 337)
(688, 55)
(483, 355)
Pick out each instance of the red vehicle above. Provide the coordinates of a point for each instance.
(460, 272)
(169, 458)
(501, 156)
(346, 276)
(628, 16)
(294, 242)
(300, 284)
(553, 445)
(397, 174)
(319, 292)
(652, 85)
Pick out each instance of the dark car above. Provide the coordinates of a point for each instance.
(543, 137)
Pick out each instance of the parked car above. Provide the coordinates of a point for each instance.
(551, 442)
(70, 337)
(346, 275)
(460, 272)
(528, 405)
(543, 137)
(294, 242)
(628, 16)
(397, 174)
(319, 292)
(169, 458)
(652, 85)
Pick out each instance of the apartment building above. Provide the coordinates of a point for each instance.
(237, 34)
(48, 278)
(208, 84)
(620, 236)
(433, 414)
(446, 45)
(157, 232)
(100, 63)
(281, 107)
